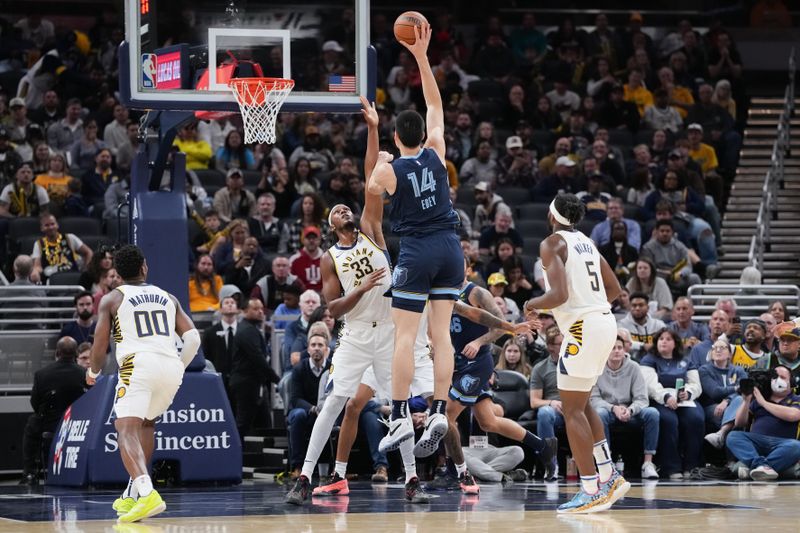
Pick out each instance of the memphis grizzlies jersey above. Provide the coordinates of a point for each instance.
(585, 289)
(463, 331)
(353, 264)
(421, 202)
(144, 322)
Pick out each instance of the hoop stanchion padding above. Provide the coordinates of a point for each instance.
(259, 100)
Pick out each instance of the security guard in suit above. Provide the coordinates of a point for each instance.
(55, 387)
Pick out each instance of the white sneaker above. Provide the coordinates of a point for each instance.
(717, 440)
(649, 470)
(677, 476)
(742, 472)
(435, 428)
(400, 430)
(763, 473)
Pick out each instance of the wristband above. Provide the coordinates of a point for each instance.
(92, 374)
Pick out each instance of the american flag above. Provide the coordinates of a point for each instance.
(341, 84)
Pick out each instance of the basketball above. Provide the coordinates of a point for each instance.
(404, 26)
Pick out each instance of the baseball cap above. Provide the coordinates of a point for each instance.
(565, 161)
(16, 102)
(233, 172)
(514, 142)
(497, 278)
(677, 154)
(545, 312)
(694, 126)
(229, 290)
(311, 229)
(332, 46)
(482, 186)
(786, 330)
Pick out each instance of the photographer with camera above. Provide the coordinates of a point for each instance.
(772, 413)
(786, 354)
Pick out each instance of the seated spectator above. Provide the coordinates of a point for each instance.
(82, 153)
(618, 113)
(55, 180)
(673, 384)
(723, 97)
(22, 268)
(608, 162)
(641, 181)
(519, 288)
(618, 253)
(248, 268)
(82, 328)
(747, 354)
(309, 302)
(204, 286)
(779, 311)
(109, 280)
(211, 226)
(335, 191)
(76, 205)
(518, 166)
(321, 319)
(481, 167)
(646, 281)
(563, 100)
(269, 288)
(670, 257)
(319, 159)
(545, 117)
(504, 250)
(55, 388)
(23, 198)
(787, 353)
(591, 169)
(601, 233)
(289, 306)
(770, 341)
(234, 154)
(636, 92)
(198, 152)
(562, 181)
(720, 381)
(234, 201)
(690, 331)
(718, 127)
(227, 249)
(577, 131)
(563, 148)
(665, 210)
(84, 359)
(718, 325)
(517, 107)
(502, 228)
(497, 284)
(620, 399)
(661, 115)
(488, 204)
(303, 396)
(128, 150)
(115, 133)
(97, 180)
(305, 264)
(602, 79)
(677, 95)
(511, 359)
(659, 148)
(621, 307)
(701, 153)
(463, 217)
(62, 135)
(770, 447)
(642, 326)
(595, 200)
(546, 399)
(55, 252)
(312, 213)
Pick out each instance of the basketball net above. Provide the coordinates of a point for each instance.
(259, 100)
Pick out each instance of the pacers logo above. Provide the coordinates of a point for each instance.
(570, 350)
(121, 392)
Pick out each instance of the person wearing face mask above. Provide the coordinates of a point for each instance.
(786, 354)
(770, 447)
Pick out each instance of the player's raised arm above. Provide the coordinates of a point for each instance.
(382, 178)
(372, 217)
(434, 118)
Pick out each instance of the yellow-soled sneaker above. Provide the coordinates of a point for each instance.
(146, 506)
(123, 505)
(583, 503)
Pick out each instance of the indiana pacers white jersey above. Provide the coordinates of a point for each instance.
(144, 322)
(584, 281)
(353, 264)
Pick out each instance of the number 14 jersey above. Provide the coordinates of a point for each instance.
(584, 281)
(353, 264)
(144, 322)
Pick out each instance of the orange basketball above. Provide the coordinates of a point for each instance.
(404, 26)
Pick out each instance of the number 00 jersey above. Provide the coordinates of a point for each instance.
(145, 321)
(584, 282)
(353, 264)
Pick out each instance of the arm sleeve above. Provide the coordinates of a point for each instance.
(638, 392)
(693, 385)
(654, 388)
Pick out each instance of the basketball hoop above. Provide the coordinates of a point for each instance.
(259, 100)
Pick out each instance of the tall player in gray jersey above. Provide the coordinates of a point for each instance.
(143, 320)
(580, 286)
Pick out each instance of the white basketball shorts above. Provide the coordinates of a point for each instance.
(147, 385)
(362, 346)
(585, 350)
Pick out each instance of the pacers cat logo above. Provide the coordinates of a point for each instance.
(571, 349)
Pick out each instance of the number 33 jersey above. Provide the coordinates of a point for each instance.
(353, 264)
(584, 281)
(144, 322)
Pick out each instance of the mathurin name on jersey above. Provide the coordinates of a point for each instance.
(147, 298)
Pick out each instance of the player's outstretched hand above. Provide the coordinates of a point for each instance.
(373, 279)
(420, 47)
(369, 112)
(523, 328)
(385, 157)
(471, 349)
(530, 312)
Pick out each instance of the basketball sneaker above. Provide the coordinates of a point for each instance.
(435, 428)
(467, 484)
(616, 487)
(299, 492)
(583, 503)
(145, 507)
(400, 430)
(123, 505)
(549, 457)
(416, 494)
(336, 486)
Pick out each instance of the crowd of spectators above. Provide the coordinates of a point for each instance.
(646, 133)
